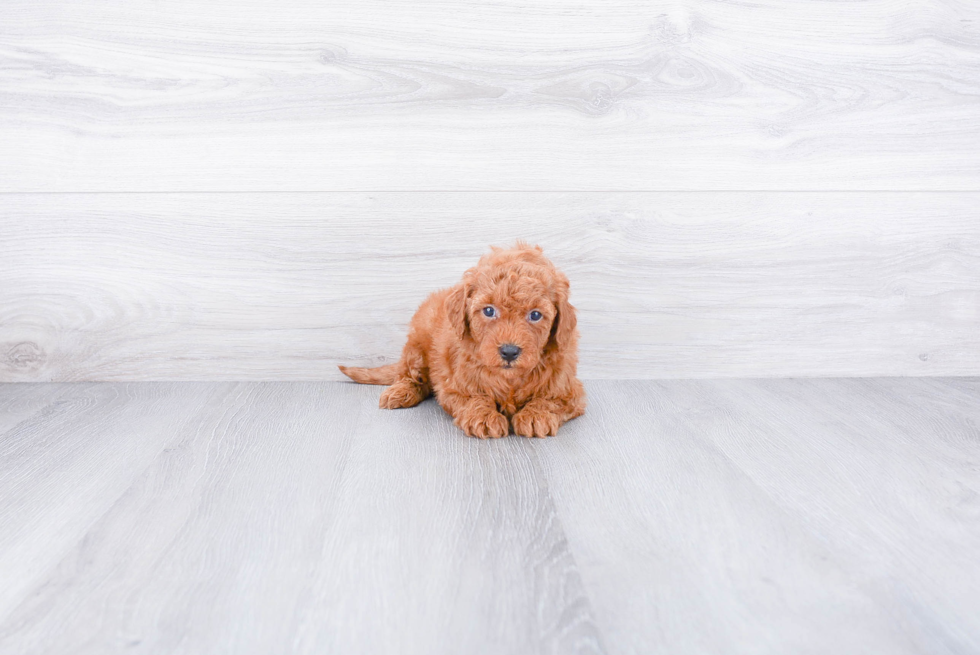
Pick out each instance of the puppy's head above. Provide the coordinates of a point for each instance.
(514, 306)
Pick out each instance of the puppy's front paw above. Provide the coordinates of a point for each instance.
(536, 422)
(480, 419)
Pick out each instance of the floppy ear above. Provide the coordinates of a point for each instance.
(457, 303)
(563, 329)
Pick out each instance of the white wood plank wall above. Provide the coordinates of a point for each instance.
(306, 95)
(284, 286)
(259, 190)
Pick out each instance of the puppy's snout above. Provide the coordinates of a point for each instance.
(509, 352)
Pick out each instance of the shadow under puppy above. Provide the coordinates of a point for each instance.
(499, 350)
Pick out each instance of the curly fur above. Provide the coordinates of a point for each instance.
(453, 350)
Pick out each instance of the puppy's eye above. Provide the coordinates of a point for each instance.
(489, 311)
(534, 316)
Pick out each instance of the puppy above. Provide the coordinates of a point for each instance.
(499, 350)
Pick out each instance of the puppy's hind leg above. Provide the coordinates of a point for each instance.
(412, 386)
(404, 393)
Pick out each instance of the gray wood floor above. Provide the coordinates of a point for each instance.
(734, 516)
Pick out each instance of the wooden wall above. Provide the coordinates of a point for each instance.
(260, 190)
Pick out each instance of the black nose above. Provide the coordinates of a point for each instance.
(509, 352)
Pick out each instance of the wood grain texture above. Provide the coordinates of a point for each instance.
(196, 551)
(435, 95)
(298, 518)
(21, 402)
(66, 465)
(444, 544)
(820, 516)
(285, 286)
(734, 516)
(877, 502)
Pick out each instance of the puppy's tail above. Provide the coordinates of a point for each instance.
(387, 374)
